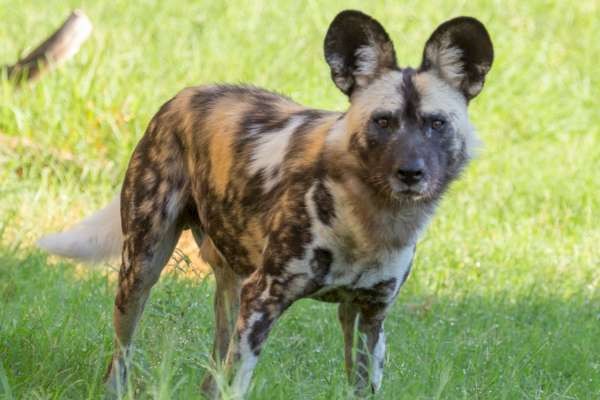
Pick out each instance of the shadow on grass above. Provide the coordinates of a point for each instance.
(56, 339)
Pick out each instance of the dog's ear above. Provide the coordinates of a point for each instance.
(357, 49)
(460, 51)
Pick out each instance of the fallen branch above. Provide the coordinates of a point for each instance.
(59, 47)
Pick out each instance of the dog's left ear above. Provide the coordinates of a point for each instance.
(357, 49)
(460, 51)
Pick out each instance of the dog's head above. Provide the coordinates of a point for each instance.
(407, 130)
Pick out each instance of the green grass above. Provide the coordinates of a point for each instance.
(504, 299)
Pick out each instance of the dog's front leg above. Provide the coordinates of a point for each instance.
(347, 313)
(371, 348)
(262, 302)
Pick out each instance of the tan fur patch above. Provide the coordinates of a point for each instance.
(147, 207)
(163, 187)
(437, 95)
(222, 124)
(277, 221)
(251, 240)
(313, 144)
(181, 108)
(288, 107)
(316, 139)
(351, 193)
(209, 252)
(363, 225)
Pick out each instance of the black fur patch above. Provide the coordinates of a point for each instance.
(324, 203)
(405, 276)
(291, 239)
(476, 51)
(321, 262)
(258, 332)
(410, 94)
(260, 118)
(349, 31)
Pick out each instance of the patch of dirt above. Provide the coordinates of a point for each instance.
(186, 258)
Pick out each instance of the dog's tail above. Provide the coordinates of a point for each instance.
(96, 238)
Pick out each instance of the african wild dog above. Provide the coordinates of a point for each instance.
(288, 202)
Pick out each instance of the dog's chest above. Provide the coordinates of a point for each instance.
(373, 279)
(354, 260)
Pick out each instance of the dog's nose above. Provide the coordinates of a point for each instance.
(411, 173)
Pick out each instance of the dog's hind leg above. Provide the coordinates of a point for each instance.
(153, 200)
(226, 307)
(139, 272)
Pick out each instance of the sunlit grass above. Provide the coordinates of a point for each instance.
(504, 300)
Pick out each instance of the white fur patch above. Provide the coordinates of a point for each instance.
(174, 204)
(242, 378)
(367, 59)
(94, 239)
(270, 151)
(381, 94)
(377, 361)
(446, 58)
(369, 266)
(248, 360)
(336, 63)
(394, 265)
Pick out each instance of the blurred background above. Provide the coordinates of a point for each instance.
(504, 299)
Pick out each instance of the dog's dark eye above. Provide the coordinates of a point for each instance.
(438, 124)
(383, 122)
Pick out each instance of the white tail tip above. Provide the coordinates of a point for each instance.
(96, 238)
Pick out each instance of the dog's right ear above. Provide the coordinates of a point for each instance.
(357, 49)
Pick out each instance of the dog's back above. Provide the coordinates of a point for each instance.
(245, 151)
(224, 155)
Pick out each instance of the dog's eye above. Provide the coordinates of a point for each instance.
(383, 122)
(438, 124)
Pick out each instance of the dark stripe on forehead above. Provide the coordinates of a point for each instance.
(410, 94)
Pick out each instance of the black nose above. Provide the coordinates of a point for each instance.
(411, 173)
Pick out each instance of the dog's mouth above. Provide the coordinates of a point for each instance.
(415, 192)
(410, 193)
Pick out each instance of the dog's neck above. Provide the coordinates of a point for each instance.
(396, 226)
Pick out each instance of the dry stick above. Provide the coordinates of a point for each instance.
(62, 45)
(59, 47)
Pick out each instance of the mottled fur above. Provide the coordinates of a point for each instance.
(288, 202)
